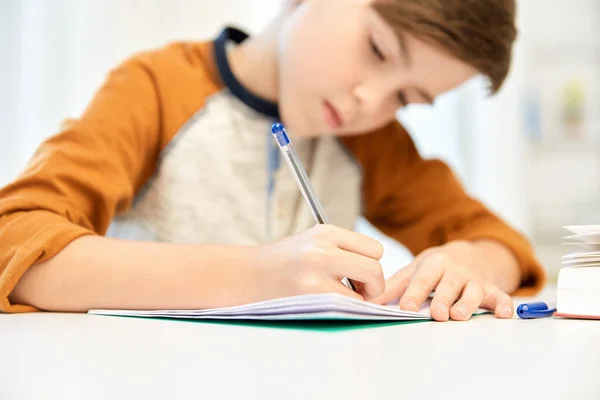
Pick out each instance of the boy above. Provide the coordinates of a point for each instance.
(173, 161)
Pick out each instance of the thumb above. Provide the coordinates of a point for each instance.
(395, 286)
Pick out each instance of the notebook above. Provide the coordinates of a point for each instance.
(578, 286)
(329, 306)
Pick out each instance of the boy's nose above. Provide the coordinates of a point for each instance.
(373, 97)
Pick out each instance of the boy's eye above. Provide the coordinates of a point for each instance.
(376, 50)
(402, 99)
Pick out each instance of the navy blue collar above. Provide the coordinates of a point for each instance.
(258, 104)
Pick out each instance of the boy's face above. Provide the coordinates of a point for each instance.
(343, 70)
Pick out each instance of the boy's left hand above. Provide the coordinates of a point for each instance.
(463, 275)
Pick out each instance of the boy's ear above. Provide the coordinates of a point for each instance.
(290, 4)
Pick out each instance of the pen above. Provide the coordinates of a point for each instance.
(290, 156)
(537, 309)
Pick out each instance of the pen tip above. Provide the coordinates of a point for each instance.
(277, 127)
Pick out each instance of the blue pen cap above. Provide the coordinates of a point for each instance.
(280, 134)
(537, 309)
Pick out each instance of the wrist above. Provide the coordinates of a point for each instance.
(500, 265)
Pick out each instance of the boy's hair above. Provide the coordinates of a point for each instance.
(478, 32)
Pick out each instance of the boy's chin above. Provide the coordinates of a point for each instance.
(301, 126)
(296, 125)
(302, 129)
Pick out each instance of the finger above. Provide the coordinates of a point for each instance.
(395, 286)
(353, 242)
(359, 288)
(498, 301)
(358, 268)
(446, 294)
(336, 286)
(428, 275)
(472, 297)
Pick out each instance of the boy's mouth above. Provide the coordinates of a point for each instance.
(332, 117)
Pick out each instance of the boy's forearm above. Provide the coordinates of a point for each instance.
(98, 272)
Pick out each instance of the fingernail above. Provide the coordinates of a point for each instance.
(461, 308)
(412, 305)
(442, 310)
(507, 311)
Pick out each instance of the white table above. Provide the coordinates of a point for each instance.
(69, 356)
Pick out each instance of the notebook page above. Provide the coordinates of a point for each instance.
(319, 306)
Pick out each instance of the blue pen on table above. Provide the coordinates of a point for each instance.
(537, 309)
(293, 161)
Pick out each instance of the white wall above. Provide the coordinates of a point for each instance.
(56, 53)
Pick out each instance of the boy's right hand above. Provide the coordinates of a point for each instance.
(316, 260)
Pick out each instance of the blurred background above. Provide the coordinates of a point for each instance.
(531, 153)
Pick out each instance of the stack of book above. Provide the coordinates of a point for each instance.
(578, 293)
